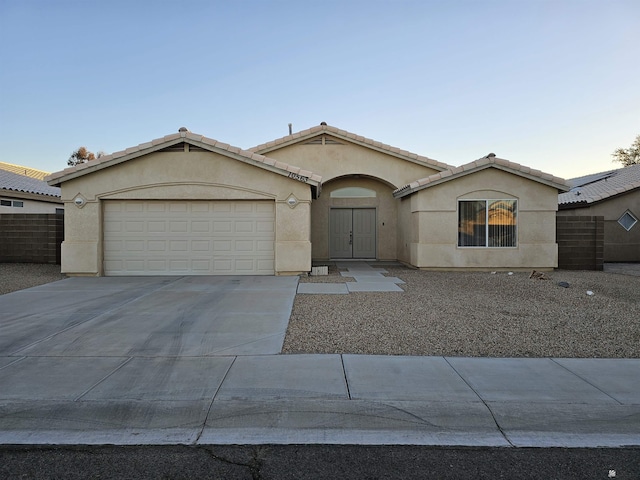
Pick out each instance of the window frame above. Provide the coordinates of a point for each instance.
(4, 202)
(635, 220)
(353, 191)
(487, 238)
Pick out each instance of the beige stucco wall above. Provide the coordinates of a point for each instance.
(620, 245)
(333, 161)
(180, 176)
(428, 232)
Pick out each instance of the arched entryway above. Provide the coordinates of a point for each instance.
(355, 218)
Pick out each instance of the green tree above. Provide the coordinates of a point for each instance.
(628, 156)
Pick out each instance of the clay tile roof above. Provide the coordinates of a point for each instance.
(175, 138)
(481, 164)
(600, 186)
(352, 137)
(10, 181)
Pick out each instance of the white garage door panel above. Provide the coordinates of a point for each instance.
(188, 238)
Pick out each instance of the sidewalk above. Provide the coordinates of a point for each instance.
(329, 399)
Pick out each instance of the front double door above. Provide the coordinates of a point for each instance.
(352, 233)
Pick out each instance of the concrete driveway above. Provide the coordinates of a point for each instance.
(149, 317)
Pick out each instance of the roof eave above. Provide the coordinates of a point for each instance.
(92, 166)
(210, 145)
(464, 170)
(41, 197)
(570, 205)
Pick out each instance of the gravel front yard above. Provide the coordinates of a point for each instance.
(16, 276)
(476, 314)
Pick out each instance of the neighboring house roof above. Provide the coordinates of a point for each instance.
(15, 183)
(199, 141)
(25, 171)
(308, 134)
(600, 186)
(490, 161)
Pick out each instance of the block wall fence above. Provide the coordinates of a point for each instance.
(31, 238)
(580, 242)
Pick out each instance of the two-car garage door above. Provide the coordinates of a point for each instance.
(158, 237)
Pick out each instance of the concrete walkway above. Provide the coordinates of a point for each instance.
(367, 279)
(191, 360)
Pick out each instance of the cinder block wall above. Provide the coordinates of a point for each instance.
(580, 242)
(31, 238)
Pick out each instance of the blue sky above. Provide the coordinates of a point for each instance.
(554, 85)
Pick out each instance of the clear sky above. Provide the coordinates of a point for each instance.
(554, 85)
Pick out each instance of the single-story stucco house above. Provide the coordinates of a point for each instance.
(23, 190)
(614, 195)
(186, 204)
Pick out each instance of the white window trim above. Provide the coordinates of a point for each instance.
(486, 212)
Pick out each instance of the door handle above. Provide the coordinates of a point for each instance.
(351, 238)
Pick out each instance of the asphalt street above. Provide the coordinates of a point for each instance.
(297, 462)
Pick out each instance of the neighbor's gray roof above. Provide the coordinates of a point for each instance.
(600, 186)
(22, 170)
(265, 148)
(490, 161)
(193, 139)
(10, 181)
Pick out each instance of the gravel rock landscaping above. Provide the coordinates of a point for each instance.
(476, 314)
(17, 276)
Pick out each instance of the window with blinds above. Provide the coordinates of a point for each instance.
(487, 223)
